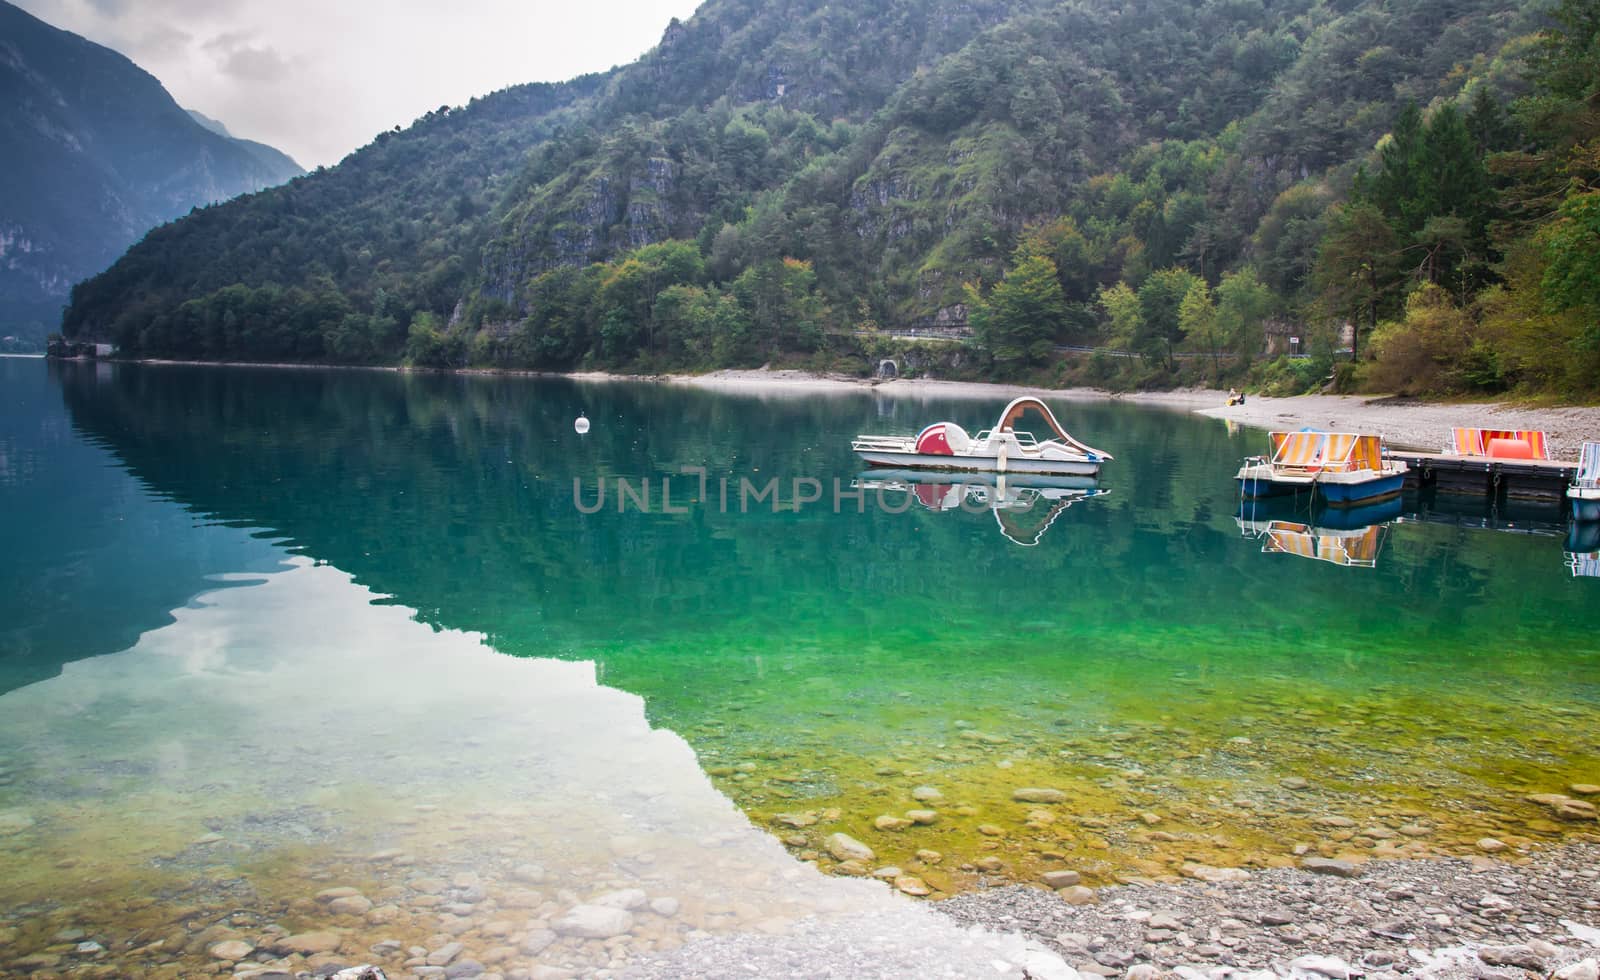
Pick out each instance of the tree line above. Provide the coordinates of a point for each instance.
(1401, 184)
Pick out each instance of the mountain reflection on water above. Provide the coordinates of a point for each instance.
(825, 660)
(280, 750)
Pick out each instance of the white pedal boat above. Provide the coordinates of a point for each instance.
(1002, 449)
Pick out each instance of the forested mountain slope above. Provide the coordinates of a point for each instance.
(772, 174)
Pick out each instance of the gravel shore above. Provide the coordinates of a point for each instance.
(1447, 918)
(1404, 423)
(1410, 424)
(1450, 918)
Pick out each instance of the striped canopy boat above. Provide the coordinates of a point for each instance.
(1499, 443)
(1585, 489)
(1342, 467)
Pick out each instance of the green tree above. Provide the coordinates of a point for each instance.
(1566, 64)
(1121, 304)
(1197, 318)
(427, 345)
(1243, 305)
(780, 299)
(1420, 353)
(1019, 319)
(1434, 190)
(1160, 299)
(1358, 270)
(1571, 243)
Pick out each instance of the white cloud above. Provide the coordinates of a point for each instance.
(318, 79)
(237, 58)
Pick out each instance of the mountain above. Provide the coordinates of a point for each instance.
(268, 156)
(215, 125)
(97, 153)
(772, 178)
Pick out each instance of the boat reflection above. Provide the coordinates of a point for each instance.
(1582, 549)
(1348, 536)
(1024, 507)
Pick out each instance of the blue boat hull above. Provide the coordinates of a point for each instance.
(1334, 494)
(1349, 494)
(1255, 489)
(1585, 510)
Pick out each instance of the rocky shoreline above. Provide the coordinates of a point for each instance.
(1441, 919)
(1447, 917)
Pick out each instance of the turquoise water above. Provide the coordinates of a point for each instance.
(1146, 656)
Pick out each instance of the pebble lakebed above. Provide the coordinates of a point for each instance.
(1159, 799)
(506, 917)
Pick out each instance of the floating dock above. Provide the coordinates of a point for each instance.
(1486, 476)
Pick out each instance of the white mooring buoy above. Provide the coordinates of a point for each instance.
(581, 425)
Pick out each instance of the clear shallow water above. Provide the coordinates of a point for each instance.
(1145, 657)
(280, 730)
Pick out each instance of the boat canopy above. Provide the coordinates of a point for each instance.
(1335, 452)
(1020, 407)
(1588, 474)
(1499, 443)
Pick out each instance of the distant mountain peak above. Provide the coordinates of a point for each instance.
(97, 154)
(215, 125)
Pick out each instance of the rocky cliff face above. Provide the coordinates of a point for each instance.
(661, 180)
(97, 153)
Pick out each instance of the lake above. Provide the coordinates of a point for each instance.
(264, 633)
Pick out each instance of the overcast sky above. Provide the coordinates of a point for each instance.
(318, 78)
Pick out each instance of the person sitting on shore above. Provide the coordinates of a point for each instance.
(1234, 397)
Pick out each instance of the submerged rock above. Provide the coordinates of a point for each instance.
(233, 949)
(594, 922)
(350, 905)
(912, 885)
(445, 954)
(627, 899)
(1035, 794)
(308, 943)
(843, 847)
